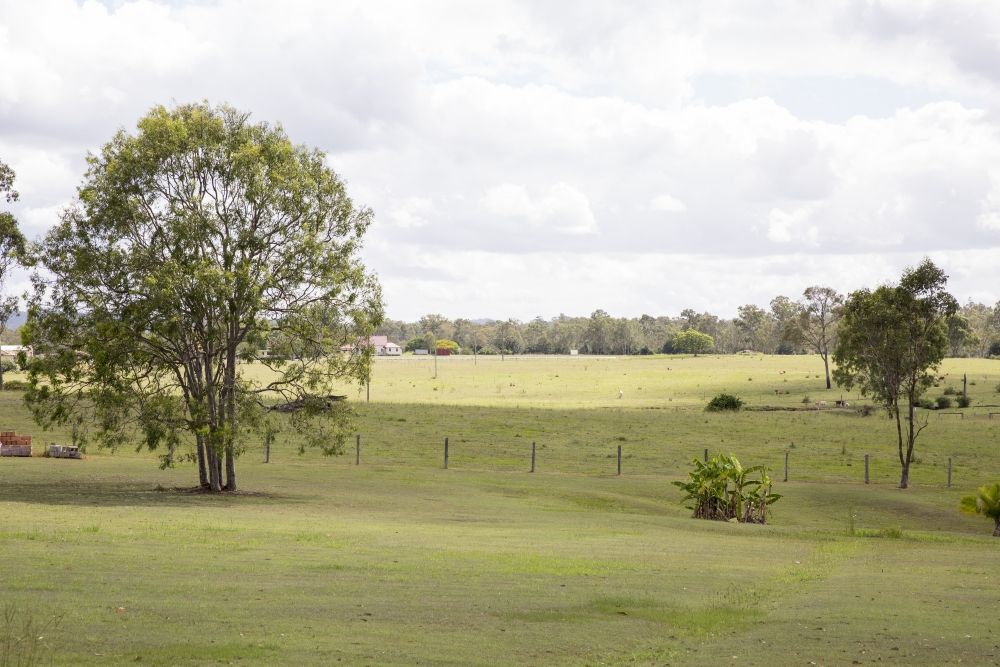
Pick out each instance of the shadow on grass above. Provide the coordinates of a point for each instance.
(113, 493)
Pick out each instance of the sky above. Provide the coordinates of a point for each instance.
(541, 157)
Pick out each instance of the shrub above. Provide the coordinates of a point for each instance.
(724, 402)
(950, 391)
(723, 490)
(15, 385)
(986, 501)
(964, 401)
(806, 399)
(943, 402)
(8, 365)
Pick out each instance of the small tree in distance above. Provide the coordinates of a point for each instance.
(889, 341)
(691, 341)
(816, 323)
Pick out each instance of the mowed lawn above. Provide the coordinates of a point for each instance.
(397, 561)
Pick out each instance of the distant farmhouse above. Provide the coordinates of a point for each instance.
(13, 350)
(381, 344)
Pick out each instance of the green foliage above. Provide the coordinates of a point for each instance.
(723, 402)
(691, 341)
(986, 501)
(964, 401)
(13, 247)
(889, 341)
(721, 489)
(195, 243)
(445, 344)
(942, 402)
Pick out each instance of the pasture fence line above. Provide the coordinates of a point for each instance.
(619, 454)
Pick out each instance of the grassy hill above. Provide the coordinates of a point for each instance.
(398, 561)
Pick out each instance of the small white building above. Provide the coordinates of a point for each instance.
(14, 350)
(382, 346)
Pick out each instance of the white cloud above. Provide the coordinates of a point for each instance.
(989, 216)
(667, 204)
(787, 226)
(491, 139)
(561, 208)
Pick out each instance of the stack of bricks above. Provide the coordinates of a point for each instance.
(12, 444)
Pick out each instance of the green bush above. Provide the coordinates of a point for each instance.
(8, 365)
(723, 490)
(14, 385)
(964, 401)
(724, 402)
(943, 402)
(950, 391)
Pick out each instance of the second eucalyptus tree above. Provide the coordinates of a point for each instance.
(890, 341)
(195, 241)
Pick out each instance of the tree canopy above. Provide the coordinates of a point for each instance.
(691, 341)
(889, 341)
(194, 242)
(12, 247)
(816, 323)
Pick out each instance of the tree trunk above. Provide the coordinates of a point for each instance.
(202, 468)
(214, 474)
(230, 469)
(904, 461)
(826, 367)
(229, 398)
(996, 531)
(1, 373)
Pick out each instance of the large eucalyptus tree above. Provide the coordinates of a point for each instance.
(193, 242)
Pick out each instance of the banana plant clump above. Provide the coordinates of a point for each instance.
(985, 502)
(723, 490)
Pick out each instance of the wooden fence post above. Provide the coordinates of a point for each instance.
(949, 472)
(267, 450)
(446, 453)
(619, 459)
(532, 456)
(866, 469)
(357, 450)
(706, 455)
(786, 466)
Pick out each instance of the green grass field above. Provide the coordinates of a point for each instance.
(398, 561)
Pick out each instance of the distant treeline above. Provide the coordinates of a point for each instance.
(974, 331)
